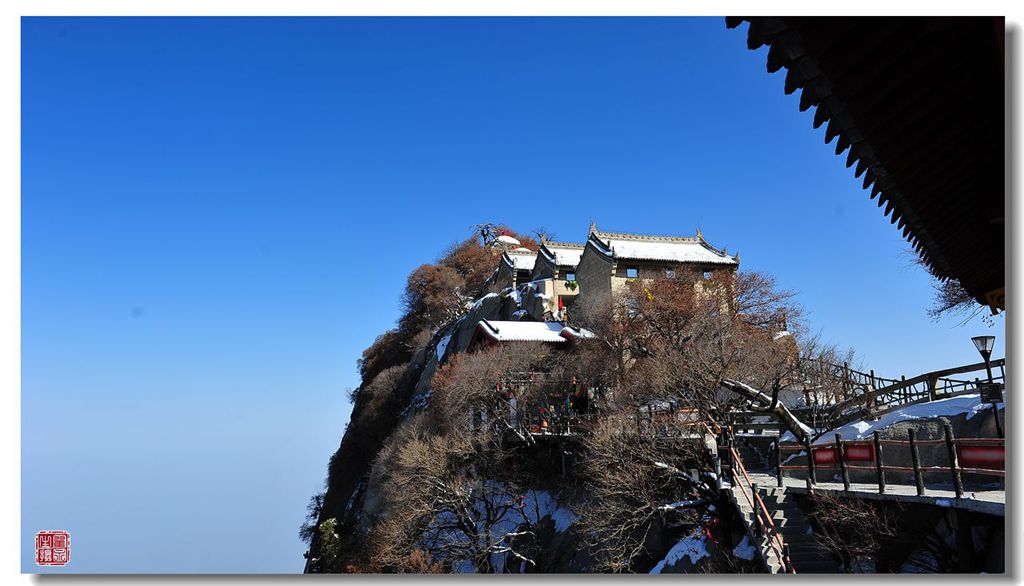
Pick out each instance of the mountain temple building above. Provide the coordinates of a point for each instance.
(611, 259)
(560, 275)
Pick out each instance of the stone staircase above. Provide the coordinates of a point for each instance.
(752, 457)
(806, 555)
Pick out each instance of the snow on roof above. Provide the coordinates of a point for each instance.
(522, 331)
(506, 239)
(520, 258)
(562, 254)
(571, 332)
(782, 334)
(530, 331)
(664, 248)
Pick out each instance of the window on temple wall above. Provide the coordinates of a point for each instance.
(670, 273)
(570, 276)
(632, 272)
(707, 274)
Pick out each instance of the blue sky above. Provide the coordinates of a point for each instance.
(218, 215)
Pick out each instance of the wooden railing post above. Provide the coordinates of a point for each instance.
(787, 559)
(730, 463)
(916, 459)
(933, 383)
(841, 457)
(879, 466)
(756, 510)
(716, 462)
(846, 380)
(954, 464)
(778, 461)
(810, 461)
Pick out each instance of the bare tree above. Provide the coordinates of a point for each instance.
(689, 339)
(544, 235)
(637, 486)
(448, 495)
(448, 480)
(853, 530)
(950, 297)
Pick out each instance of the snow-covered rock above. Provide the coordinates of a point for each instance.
(745, 550)
(693, 547)
(966, 405)
(506, 239)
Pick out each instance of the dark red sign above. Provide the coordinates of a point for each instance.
(860, 452)
(854, 453)
(824, 455)
(53, 548)
(990, 457)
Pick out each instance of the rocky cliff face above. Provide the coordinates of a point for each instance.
(350, 495)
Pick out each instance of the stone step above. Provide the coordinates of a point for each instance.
(791, 511)
(787, 507)
(793, 524)
(779, 498)
(798, 535)
(815, 569)
(784, 515)
(798, 539)
(813, 563)
(809, 554)
(781, 523)
(806, 545)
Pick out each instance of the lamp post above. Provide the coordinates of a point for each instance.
(985, 344)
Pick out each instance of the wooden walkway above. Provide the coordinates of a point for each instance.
(992, 502)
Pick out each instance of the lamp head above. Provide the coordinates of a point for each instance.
(984, 344)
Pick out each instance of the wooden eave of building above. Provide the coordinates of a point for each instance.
(553, 258)
(600, 241)
(918, 103)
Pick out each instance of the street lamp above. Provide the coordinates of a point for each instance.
(985, 344)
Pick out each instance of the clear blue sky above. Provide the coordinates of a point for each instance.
(219, 215)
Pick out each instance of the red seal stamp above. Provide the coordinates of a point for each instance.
(53, 548)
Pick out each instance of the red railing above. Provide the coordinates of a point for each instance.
(982, 456)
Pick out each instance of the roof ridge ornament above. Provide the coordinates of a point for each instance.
(647, 237)
(552, 243)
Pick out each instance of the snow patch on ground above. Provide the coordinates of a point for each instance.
(540, 504)
(745, 550)
(693, 546)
